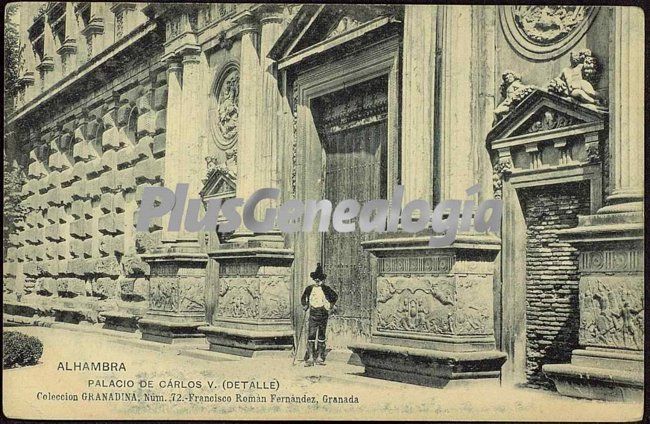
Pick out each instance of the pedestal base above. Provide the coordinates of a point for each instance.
(601, 375)
(120, 321)
(248, 343)
(426, 367)
(170, 332)
(68, 315)
(18, 309)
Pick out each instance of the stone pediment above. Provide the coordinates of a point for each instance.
(547, 139)
(542, 116)
(316, 28)
(220, 183)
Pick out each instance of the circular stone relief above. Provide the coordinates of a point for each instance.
(543, 32)
(224, 113)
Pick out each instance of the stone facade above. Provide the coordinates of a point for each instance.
(329, 100)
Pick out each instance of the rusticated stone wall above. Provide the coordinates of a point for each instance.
(552, 314)
(90, 154)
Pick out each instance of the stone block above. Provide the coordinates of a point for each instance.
(148, 171)
(79, 190)
(73, 285)
(123, 113)
(144, 102)
(87, 248)
(29, 268)
(126, 179)
(125, 156)
(93, 168)
(146, 124)
(147, 242)
(92, 189)
(75, 248)
(160, 121)
(134, 266)
(111, 140)
(142, 150)
(106, 203)
(108, 181)
(50, 251)
(160, 98)
(81, 229)
(111, 223)
(108, 266)
(428, 367)
(118, 245)
(46, 286)
(159, 145)
(106, 287)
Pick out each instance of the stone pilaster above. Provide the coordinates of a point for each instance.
(455, 99)
(253, 310)
(177, 276)
(418, 99)
(95, 29)
(626, 114)
(46, 66)
(609, 364)
(68, 49)
(249, 78)
(174, 131)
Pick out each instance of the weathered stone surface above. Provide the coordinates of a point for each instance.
(107, 266)
(105, 287)
(134, 266)
(552, 279)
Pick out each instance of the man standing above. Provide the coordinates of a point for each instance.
(319, 298)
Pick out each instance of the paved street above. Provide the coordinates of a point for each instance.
(176, 377)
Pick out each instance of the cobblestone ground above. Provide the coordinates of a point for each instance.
(25, 389)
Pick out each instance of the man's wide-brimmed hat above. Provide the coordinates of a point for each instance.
(318, 274)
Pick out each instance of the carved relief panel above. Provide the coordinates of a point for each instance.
(248, 291)
(611, 312)
(432, 301)
(224, 119)
(543, 32)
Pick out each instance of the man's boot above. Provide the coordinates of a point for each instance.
(310, 355)
(320, 353)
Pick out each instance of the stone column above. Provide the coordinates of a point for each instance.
(255, 271)
(418, 99)
(609, 363)
(626, 117)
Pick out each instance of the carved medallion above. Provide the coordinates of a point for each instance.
(224, 115)
(542, 32)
